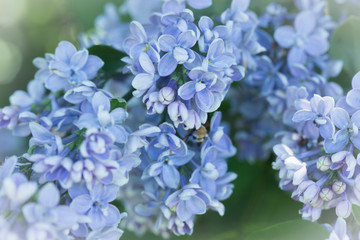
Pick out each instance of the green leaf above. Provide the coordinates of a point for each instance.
(230, 235)
(117, 103)
(345, 45)
(356, 213)
(294, 230)
(111, 57)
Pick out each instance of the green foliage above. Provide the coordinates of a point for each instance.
(117, 103)
(294, 230)
(345, 45)
(356, 213)
(111, 57)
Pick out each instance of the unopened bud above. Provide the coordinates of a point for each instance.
(339, 187)
(323, 163)
(343, 209)
(166, 95)
(326, 194)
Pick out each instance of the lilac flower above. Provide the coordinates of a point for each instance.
(178, 112)
(8, 117)
(43, 137)
(269, 75)
(348, 130)
(47, 210)
(193, 120)
(178, 22)
(339, 231)
(344, 159)
(98, 115)
(7, 168)
(199, 4)
(166, 95)
(343, 209)
(17, 190)
(217, 58)
(43, 65)
(178, 51)
(109, 29)
(112, 233)
(42, 230)
(35, 94)
(140, 43)
(95, 205)
(70, 67)
(218, 138)
(178, 6)
(146, 78)
(352, 97)
(317, 111)
(132, 8)
(210, 33)
(205, 87)
(180, 227)
(302, 39)
(166, 168)
(85, 91)
(207, 174)
(53, 168)
(237, 11)
(153, 104)
(167, 139)
(96, 145)
(93, 172)
(188, 201)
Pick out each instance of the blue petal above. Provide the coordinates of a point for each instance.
(79, 59)
(170, 176)
(64, 51)
(187, 91)
(167, 65)
(200, 4)
(285, 36)
(204, 99)
(92, 66)
(49, 195)
(167, 43)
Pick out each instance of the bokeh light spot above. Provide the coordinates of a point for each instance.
(10, 61)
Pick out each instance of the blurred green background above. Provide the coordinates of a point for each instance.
(31, 28)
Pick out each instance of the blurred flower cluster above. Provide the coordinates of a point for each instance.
(133, 121)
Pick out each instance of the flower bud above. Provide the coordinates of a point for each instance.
(166, 95)
(178, 112)
(323, 163)
(311, 194)
(339, 187)
(343, 209)
(326, 194)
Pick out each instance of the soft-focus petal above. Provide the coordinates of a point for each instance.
(285, 36)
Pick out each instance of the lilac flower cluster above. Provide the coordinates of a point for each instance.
(197, 164)
(182, 68)
(32, 212)
(319, 163)
(288, 59)
(77, 140)
(85, 154)
(162, 156)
